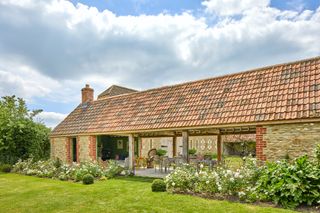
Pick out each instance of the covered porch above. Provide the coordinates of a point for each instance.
(138, 151)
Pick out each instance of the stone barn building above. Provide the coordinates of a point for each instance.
(280, 104)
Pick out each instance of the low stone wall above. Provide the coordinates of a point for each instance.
(274, 142)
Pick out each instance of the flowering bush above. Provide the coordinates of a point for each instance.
(220, 180)
(182, 179)
(291, 184)
(113, 169)
(56, 169)
(286, 183)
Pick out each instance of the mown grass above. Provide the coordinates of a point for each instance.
(234, 162)
(126, 194)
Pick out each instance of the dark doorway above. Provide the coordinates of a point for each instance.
(74, 149)
(112, 147)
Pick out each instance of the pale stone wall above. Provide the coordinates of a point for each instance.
(294, 139)
(156, 143)
(202, 144)
(84, 149)
(58, 148)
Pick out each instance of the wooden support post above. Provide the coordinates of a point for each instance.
(140, 146)
(185, 146)
(131, 152)
(219, 148)
(174, 146)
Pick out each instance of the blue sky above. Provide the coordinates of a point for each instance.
(153, 7)
(50, 49)
(148, 7)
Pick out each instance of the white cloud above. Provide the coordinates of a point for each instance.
(22, 80)
(233, 7)
(50, 49)
(51, 119)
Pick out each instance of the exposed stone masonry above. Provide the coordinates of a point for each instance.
(274, 142)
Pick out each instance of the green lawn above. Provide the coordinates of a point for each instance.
(234, 162)
(31, 194)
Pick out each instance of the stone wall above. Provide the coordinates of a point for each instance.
(274, 142)
(60, 148)
(86, 148)
(202, 144)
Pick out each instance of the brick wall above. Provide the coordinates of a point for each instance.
(260, 143)
(93, 148)
(275, 141)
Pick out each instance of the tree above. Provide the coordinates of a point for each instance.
(20, 136)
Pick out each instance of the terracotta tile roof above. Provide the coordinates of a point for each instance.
(280, 92)
(115, 90)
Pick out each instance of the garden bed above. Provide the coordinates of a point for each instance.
(235, 199)
(290, 184)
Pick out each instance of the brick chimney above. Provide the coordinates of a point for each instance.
(87, 94)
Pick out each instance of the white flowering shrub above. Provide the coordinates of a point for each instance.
(288, 184)
(56, 169)
(183, 179)
(113, 169)
(221, 180)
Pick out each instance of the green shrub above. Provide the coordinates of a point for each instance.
(57, 163)
(161, 152)
(88, 179)
(317, 153)
(113, 169)
(21, 136)
(158, 185)
(192, 151)
(52, 169)
(6, 168)
(290, 184)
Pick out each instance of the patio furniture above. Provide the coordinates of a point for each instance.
(151, 154)
(157, 162)
(141, 162)
(165, 163)
(209, 163)
(178, 161)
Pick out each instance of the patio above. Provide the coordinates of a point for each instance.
(151, 172)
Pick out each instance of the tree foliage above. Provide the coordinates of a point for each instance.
(20, 136)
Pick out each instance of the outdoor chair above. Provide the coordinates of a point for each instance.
(166, 163)
(157, 162)
(151, 154)
(178, 161)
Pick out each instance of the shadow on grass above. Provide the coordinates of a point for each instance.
(136, 178)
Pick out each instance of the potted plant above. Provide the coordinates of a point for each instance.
(208, 156)
(192, 153)
(161, 152)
